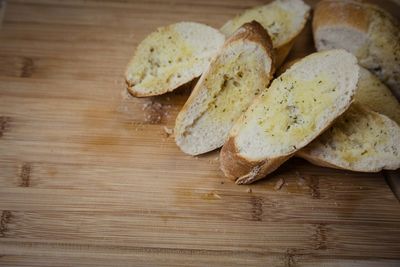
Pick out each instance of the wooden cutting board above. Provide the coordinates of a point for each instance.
(89, 176)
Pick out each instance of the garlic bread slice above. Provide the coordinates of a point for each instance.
(170, 57)
(242, 70)
(297, 107)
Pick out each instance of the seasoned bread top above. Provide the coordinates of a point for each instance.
(241, 70)
(361, 140)
(298, 105)
(170, 57)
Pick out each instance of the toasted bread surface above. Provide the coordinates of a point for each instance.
(170, 57)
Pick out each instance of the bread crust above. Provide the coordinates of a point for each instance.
(252, 31)
(336, 12)
(242, 170)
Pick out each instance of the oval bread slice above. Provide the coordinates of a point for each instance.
(365, 30)
(242, 70)
(297, 107)
(283, 19)
(361, 140)
(170, 57)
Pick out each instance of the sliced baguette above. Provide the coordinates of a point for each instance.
(170, 57)
(365, 30)
(297, 107)
(361, 140)
(241, 70)
(283, 19)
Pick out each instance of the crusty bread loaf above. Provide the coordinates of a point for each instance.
(241, 70)
(372, 93)
(361, 140)
(283, 19)
(365, 30)
(171, 57)
(297, 107)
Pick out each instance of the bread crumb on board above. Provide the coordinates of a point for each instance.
(125, 95)
(211, 196)
(168, 131)
(154, 112)
(301, 181)
(249, 190)
(214, 160)
(279, 184)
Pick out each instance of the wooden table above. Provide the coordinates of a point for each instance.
(89, 176)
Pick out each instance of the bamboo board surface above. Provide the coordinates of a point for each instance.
(89, 177)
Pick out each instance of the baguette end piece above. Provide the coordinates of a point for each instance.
(365, 30)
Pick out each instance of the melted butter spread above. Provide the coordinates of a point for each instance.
(356, 135)
(160, 59)
(288, 113)
(234, 83)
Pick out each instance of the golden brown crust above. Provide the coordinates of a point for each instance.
(232, 164)
(253, 31)
(242, 170)
(336, 12)
(132, 92)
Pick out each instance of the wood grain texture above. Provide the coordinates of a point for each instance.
(89, 176)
